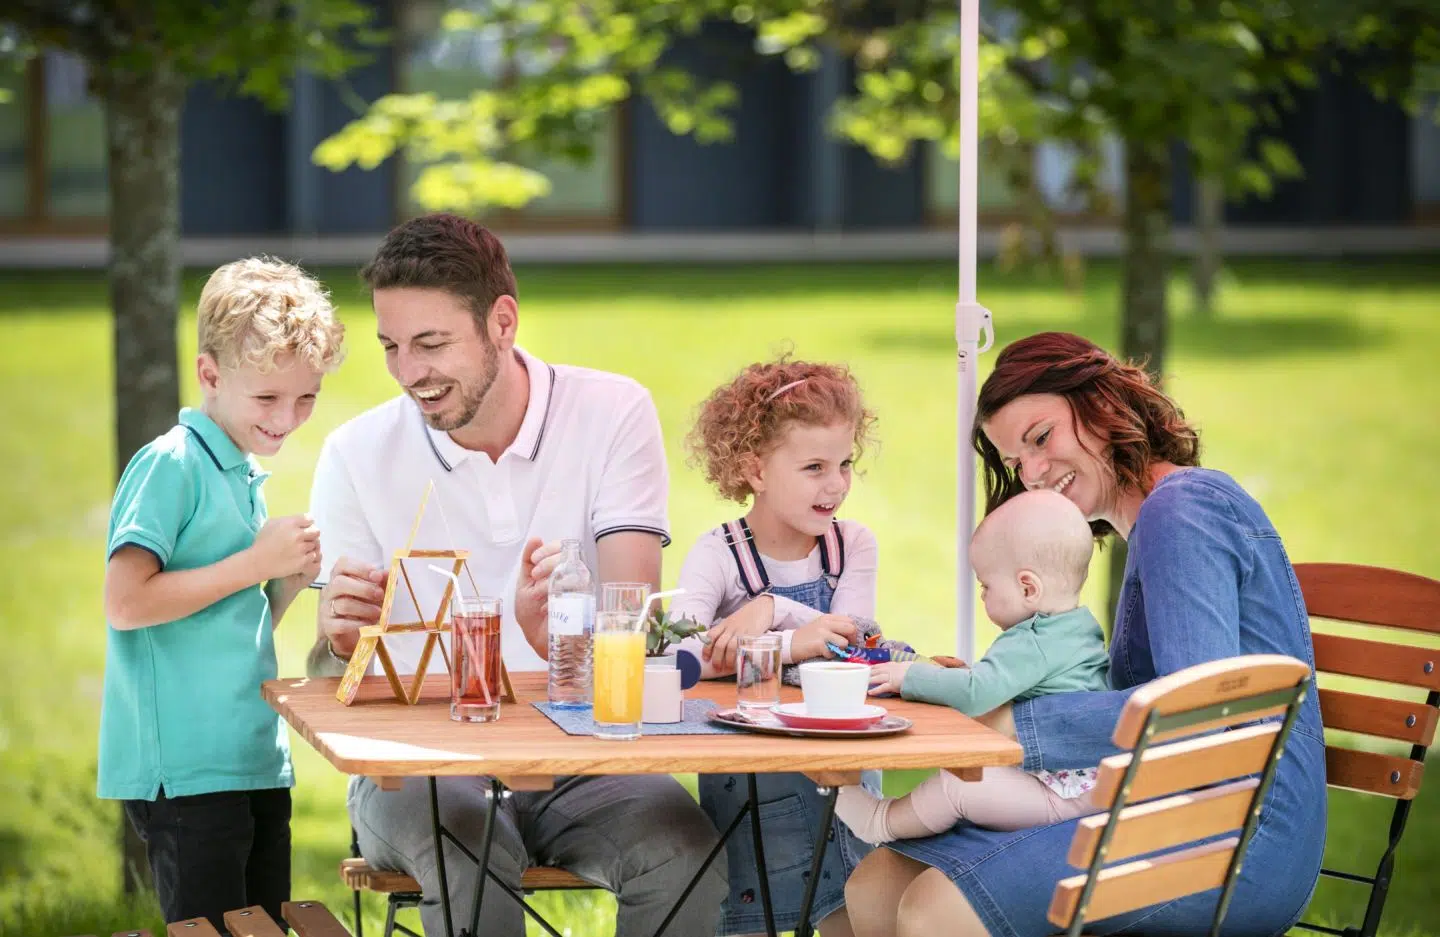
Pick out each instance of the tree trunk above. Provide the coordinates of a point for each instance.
(142, 130)
(1209, 215)
(1144, 323)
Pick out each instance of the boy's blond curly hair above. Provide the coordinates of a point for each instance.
(744, 419)
(256, 310)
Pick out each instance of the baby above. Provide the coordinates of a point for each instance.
(1031, 556)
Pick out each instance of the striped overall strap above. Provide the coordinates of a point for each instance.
(747, 557)
(832, 551)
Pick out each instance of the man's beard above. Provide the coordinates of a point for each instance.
(471, 398)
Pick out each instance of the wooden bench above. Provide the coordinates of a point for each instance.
(305, 918)
(359, 876)
(402, 891)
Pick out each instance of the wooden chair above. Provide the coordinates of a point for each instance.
(1166, 797)
(401, 891)
(1388, 598)
(306, 918)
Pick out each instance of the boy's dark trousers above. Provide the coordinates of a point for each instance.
(212, 853)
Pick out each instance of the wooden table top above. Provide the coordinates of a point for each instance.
(382, 738)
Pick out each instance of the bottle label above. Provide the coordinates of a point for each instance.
(571, 614)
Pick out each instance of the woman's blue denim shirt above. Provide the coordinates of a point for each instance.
(1206, 578)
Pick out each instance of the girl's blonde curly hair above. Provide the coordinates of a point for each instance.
(744, 419)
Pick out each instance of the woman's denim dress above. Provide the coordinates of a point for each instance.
(1206, 578)
(790, 808)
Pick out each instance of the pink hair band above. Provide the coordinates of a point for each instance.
(783, 389)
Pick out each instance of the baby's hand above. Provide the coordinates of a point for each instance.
(810, 640)
(888, 677)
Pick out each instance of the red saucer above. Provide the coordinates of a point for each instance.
(794, 715)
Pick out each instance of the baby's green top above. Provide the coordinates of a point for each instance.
(1062, 653)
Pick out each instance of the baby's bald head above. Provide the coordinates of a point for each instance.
(1041, 532)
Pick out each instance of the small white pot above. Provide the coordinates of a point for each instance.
(664, 700)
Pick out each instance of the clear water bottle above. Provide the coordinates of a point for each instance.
(572, 618)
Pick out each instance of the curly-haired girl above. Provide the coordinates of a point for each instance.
(785, 435)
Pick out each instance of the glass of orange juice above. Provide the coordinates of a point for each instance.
(619, 662)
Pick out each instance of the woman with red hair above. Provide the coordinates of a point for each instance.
(1206, 578)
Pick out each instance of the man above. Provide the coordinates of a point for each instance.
(522, 453)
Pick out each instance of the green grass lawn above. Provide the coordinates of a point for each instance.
(1317, 387)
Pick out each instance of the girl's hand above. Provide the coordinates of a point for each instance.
(723, 639)
(809, 640)
(888, 677)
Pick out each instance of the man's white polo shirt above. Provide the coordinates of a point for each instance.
(588, 461)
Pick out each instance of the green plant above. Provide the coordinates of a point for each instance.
(664, 631)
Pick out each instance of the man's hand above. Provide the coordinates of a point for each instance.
(722, 640)
(532, 591)
(348, 602)
(810, 639)
(285, 546)
(888, 677)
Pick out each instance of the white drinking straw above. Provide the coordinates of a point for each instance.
(458, 640)
(645, 606)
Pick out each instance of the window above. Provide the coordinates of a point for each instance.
(52, 147)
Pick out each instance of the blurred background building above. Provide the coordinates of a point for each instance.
(1372, 172)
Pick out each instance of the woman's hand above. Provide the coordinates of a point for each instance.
(888, 677)
(810, 640)
(722, 640)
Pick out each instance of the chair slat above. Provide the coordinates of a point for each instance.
(358, 874)
(1188, 764)
(1403, 720)
(545, 878)
(1370, 595)
(1145, 882)
(1230, 680)
(312, 919)
(195, 927)
(1377, 660)
(1387, 775)
(252, 922)
(1164, 824)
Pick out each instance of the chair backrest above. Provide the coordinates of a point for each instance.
(1384, 599)
(1180, 783)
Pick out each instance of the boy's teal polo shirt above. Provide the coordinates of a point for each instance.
(182, 709)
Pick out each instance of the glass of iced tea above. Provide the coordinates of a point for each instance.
(475, 659)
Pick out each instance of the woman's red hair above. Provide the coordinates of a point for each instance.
(1114, 400)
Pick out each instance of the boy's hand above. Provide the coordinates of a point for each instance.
(351, 599)
(888, 677)
(810, 639)
(722, 640)
(286, 546)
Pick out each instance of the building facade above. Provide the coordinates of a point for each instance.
(247, 171)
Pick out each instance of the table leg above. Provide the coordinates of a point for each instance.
(484, 860)
(760, 858)
(695, 880)
(495, 793)
(440, 857)
(827, 818)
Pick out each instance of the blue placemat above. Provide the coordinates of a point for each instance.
(696, 720)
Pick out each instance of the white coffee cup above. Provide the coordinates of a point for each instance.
(833, 687)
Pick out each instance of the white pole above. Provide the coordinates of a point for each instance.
(970, 320)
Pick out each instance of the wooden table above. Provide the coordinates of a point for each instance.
(388, 741)
(379, 737)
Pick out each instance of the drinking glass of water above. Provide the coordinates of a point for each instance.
(757, 672)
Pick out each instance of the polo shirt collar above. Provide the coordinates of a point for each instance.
(217, 443)
(527, 441)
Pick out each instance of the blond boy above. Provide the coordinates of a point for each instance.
(197, 577)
